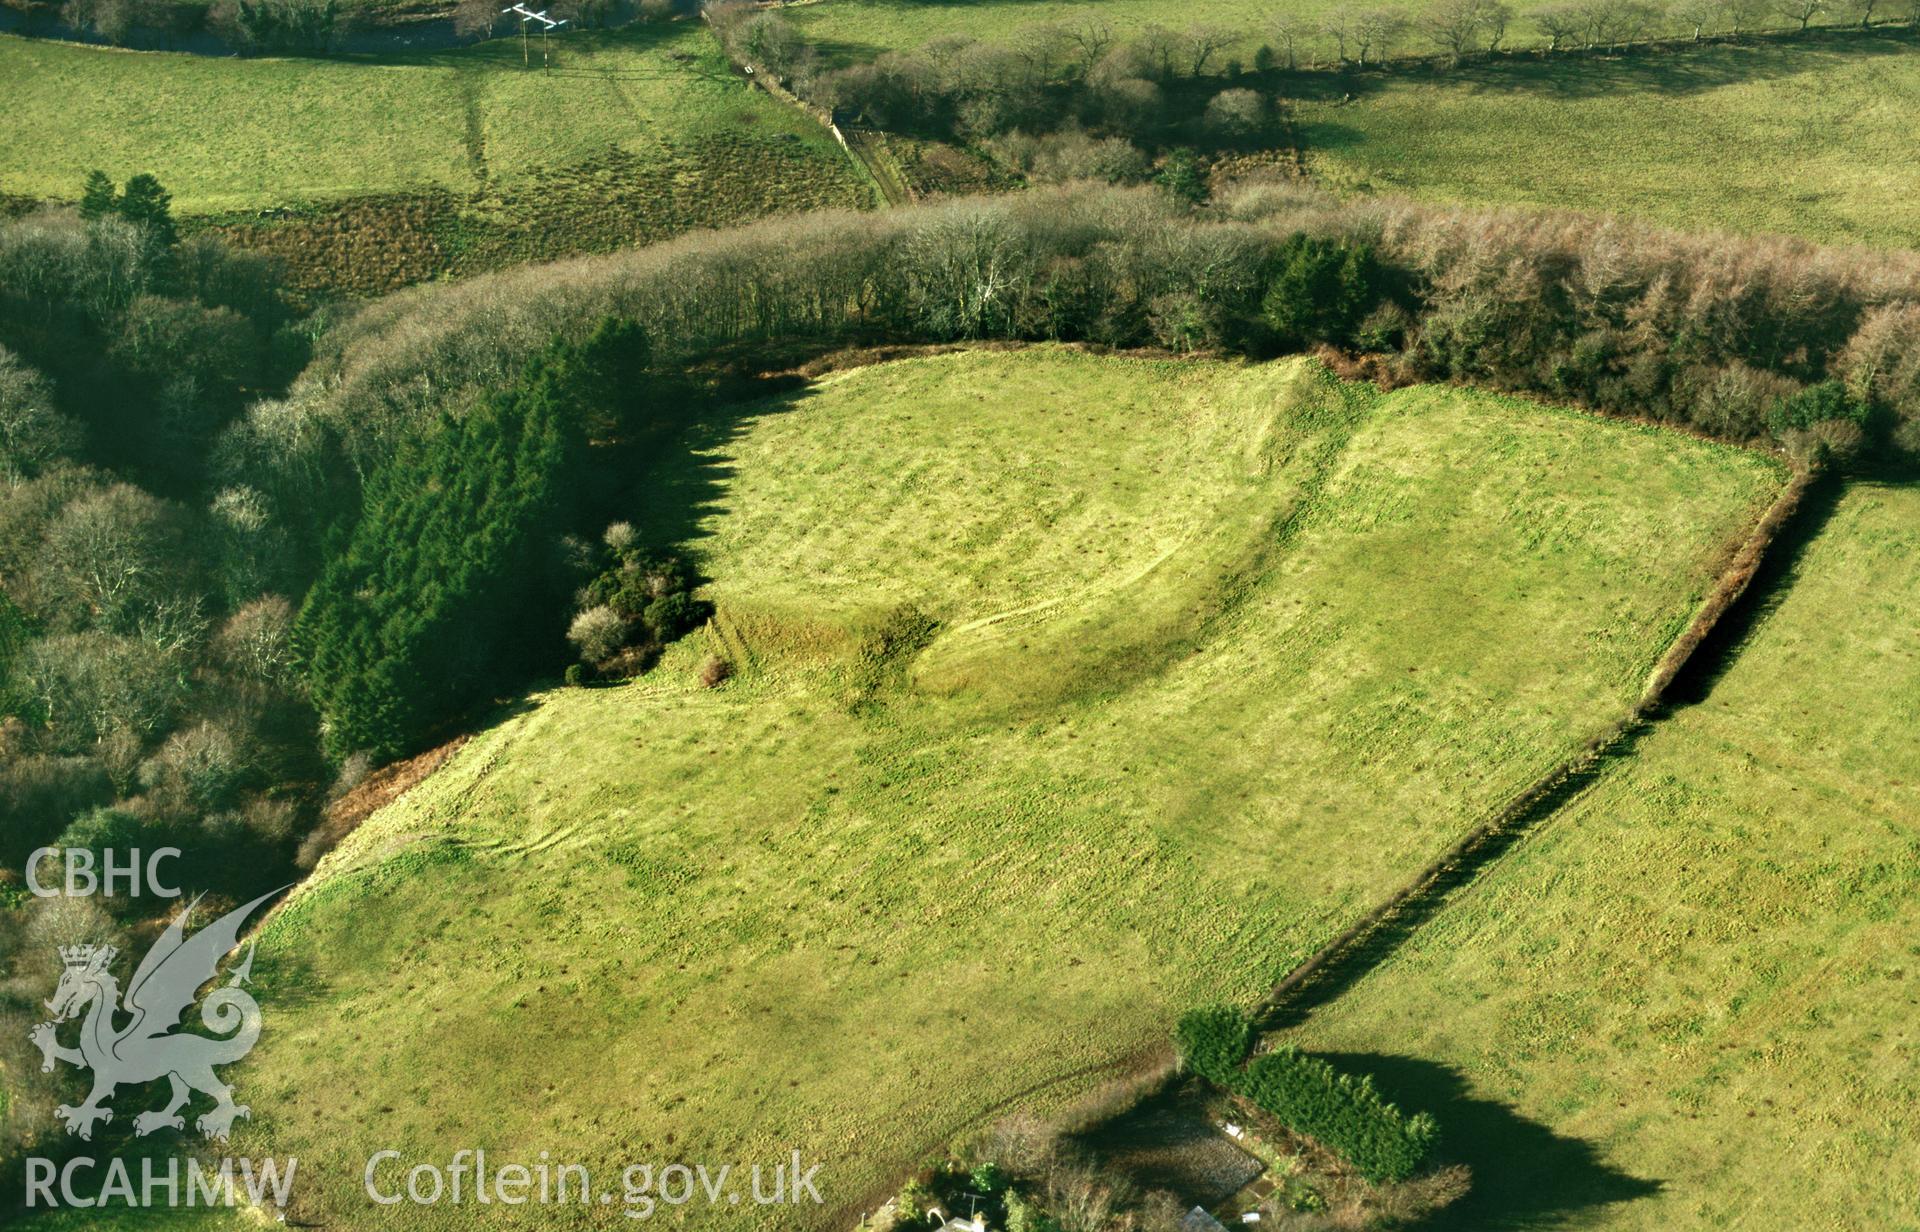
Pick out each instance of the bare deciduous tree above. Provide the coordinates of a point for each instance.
(109, 553)
(1338, 25)
(1376, 32)
(1236, 114)
(1700, 17)
(1289, 31)
(257, 641)
(1089, 37)
(1203, 42)
(1462, 27)
(1045, 47)
(32, 433)
(1563, 24)
(1616, 23)
(476, 17)
(597, 633)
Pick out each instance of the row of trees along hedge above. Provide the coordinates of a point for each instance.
(1342, 1112)
(448, 587)
(1716, 333)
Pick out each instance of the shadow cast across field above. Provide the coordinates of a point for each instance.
(1350, 957)
(1348, 961)
(684, 471)
(1661, 71)
(1524, 1174)
(1772, 582)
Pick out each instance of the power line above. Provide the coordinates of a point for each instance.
(547, 26)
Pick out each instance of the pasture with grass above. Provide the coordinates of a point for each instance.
(368, 172)
(1071, 690)
(1688, 1001)
(1801, 138)
(1044, 616)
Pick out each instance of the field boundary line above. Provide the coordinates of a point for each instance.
(860, 147)
(1332, 968)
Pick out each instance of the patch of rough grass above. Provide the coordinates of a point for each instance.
(367, 173)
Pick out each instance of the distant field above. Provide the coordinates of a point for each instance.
(851, 30)
(1810, 139)
(403, 168)
(227, 134)
(1073, 690)
(1698, 984)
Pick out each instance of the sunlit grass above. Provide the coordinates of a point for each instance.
(1811, 139)
(228, 134)
(1705, 968)
(1192, 662)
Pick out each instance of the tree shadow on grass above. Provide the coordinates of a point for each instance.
(1524, 1174)
(1771, 584)
(1667, 71)
(679, 475)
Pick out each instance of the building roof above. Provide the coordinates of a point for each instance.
(1197, 1220)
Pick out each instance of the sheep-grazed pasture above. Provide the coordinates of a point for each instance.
(1694, 986)
(1072, 690)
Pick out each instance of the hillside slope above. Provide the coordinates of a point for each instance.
(367, 173)
(1073, 690)
(1705, 967)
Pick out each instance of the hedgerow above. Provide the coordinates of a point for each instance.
(1214, 1042)
(1342, 1112)
(1709, 332)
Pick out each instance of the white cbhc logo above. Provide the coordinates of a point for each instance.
(81, 878)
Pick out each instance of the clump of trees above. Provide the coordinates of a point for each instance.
(1064, 100)
(123, 351)
(637, 602)
(453, 581)
(1319, 290)
(1342, 1112)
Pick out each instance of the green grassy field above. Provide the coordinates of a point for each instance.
(1704, 969)
(227, 134)
(1073, 690)
(851, 30)
(1809, 139)
(379, 173)
(858, 30)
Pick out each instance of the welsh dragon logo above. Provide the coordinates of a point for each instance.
(145, 1047)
